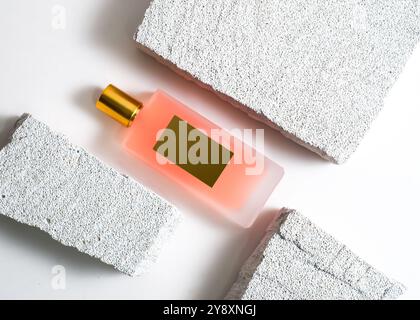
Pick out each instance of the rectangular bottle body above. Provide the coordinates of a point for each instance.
(226, 182)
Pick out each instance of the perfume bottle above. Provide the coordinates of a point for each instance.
(197, 155)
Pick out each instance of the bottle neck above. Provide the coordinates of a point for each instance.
(118, 105)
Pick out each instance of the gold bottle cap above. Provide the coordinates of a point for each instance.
(118, 105)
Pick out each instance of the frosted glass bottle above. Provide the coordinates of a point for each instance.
(171, 138)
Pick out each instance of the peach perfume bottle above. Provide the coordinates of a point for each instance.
(197, 155)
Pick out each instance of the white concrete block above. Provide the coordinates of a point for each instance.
(316, 70)
(298, 261)
(51, 184)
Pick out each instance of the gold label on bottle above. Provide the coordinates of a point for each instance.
(193, 151)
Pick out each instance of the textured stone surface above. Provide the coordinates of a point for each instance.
(297, 260)
(48, 183)
(316, 70)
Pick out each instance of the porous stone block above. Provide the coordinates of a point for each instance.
(49, 183)
(316, 70)
(298, 261)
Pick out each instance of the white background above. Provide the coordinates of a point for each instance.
(371, 203)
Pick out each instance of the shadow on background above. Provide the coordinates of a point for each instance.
(226, 269)
(7, 125)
